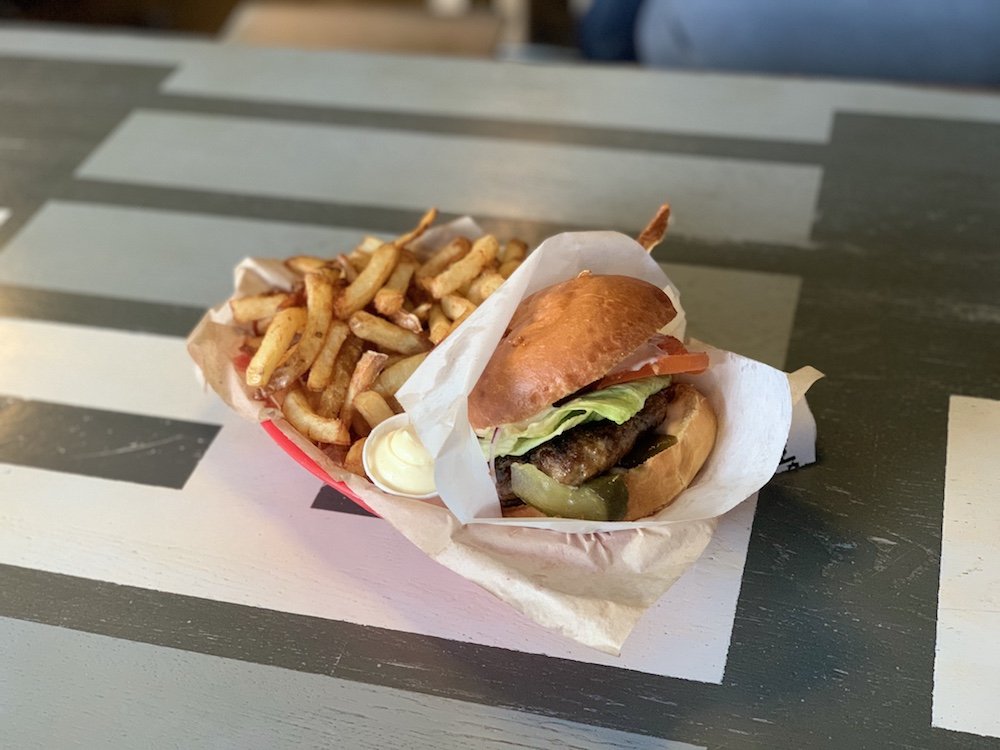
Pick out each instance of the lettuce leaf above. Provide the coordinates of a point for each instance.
(619, 403)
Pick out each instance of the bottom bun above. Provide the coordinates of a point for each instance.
(653, 485)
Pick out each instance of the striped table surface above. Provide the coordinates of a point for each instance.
(168, 578)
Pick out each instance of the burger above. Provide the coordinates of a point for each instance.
(578, 413)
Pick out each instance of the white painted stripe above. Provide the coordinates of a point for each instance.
(210, 702)
(73, 246)
(712, 198)
(967, 663)
(683, 102)
(103, 369)
(242, 531)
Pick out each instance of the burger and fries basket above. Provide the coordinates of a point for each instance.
(590, 581)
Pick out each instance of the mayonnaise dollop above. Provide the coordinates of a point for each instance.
(398, 461)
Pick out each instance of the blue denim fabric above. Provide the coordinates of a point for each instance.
(957, 41)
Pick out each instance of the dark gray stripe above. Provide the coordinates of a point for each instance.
(97, 312)
(329, 499)
(98, 443)
(507, 129)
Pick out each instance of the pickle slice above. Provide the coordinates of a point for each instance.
(645, 448)
(601, 499)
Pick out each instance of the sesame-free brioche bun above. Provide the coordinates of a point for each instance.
(563, 338)
(656, 483)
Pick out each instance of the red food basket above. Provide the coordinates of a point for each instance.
(303, 460)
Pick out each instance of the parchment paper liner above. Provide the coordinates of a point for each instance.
(589, 581)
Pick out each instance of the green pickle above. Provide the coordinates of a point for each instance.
(601, 499)
(645, 448)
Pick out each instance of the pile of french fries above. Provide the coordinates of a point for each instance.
(333, 350)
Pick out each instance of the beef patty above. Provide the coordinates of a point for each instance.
(585, 451)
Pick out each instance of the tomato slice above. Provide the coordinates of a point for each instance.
(675, 360)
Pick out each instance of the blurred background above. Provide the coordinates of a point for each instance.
(922, 41)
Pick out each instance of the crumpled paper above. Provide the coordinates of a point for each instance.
(590, 581)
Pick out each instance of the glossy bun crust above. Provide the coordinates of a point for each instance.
(655, 484)
(562, 338)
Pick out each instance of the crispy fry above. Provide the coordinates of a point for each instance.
(455, 306)
(349, 272)
(483, 251)
(353, 461)
(386, 335)
(407, 321)
(319, 305)
(332, 398)
(257, 306)
(394, 375)
(514, 249)
(455, 250)
(422, 310)
(304, 264)
(372, 407)
(321, 371)
(653, 234)
(369, 244)
(484, 285)
(457, 322)
(508, 267)
(286, 324)
(425, 221)
(362, 290)
(438, 324)
(368, 368)
(300, 414)
(389, 299)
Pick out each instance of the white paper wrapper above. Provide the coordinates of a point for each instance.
(589, 581)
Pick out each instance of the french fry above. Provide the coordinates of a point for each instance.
(332, 399)
(484, 285)
(438, 324)
(654, 232)
(422, 310)
(455, 250)
(407, 320)
(391, 379)
(368, 368)
(362, 290)
(321, 371)
(457, 322)
(304, 264)
(300, 414)
(508, 267)
(389, 299)
(342, 264)
(386, 335)
(319, 306)
(455, 306)
(513, 249)
(425, 221)
(483, 251)
(283, 329)
(353, 461)
(369, 244)
(372, 407)
(257, 306)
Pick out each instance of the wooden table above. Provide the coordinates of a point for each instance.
(169, 578)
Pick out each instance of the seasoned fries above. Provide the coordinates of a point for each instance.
(283, 329)
(462, 271)
(332, 349)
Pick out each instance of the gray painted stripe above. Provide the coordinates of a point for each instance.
(99, 443)
(329, 499)
(561, 689)
(713, 198)
(68, 689)
(97, 311)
